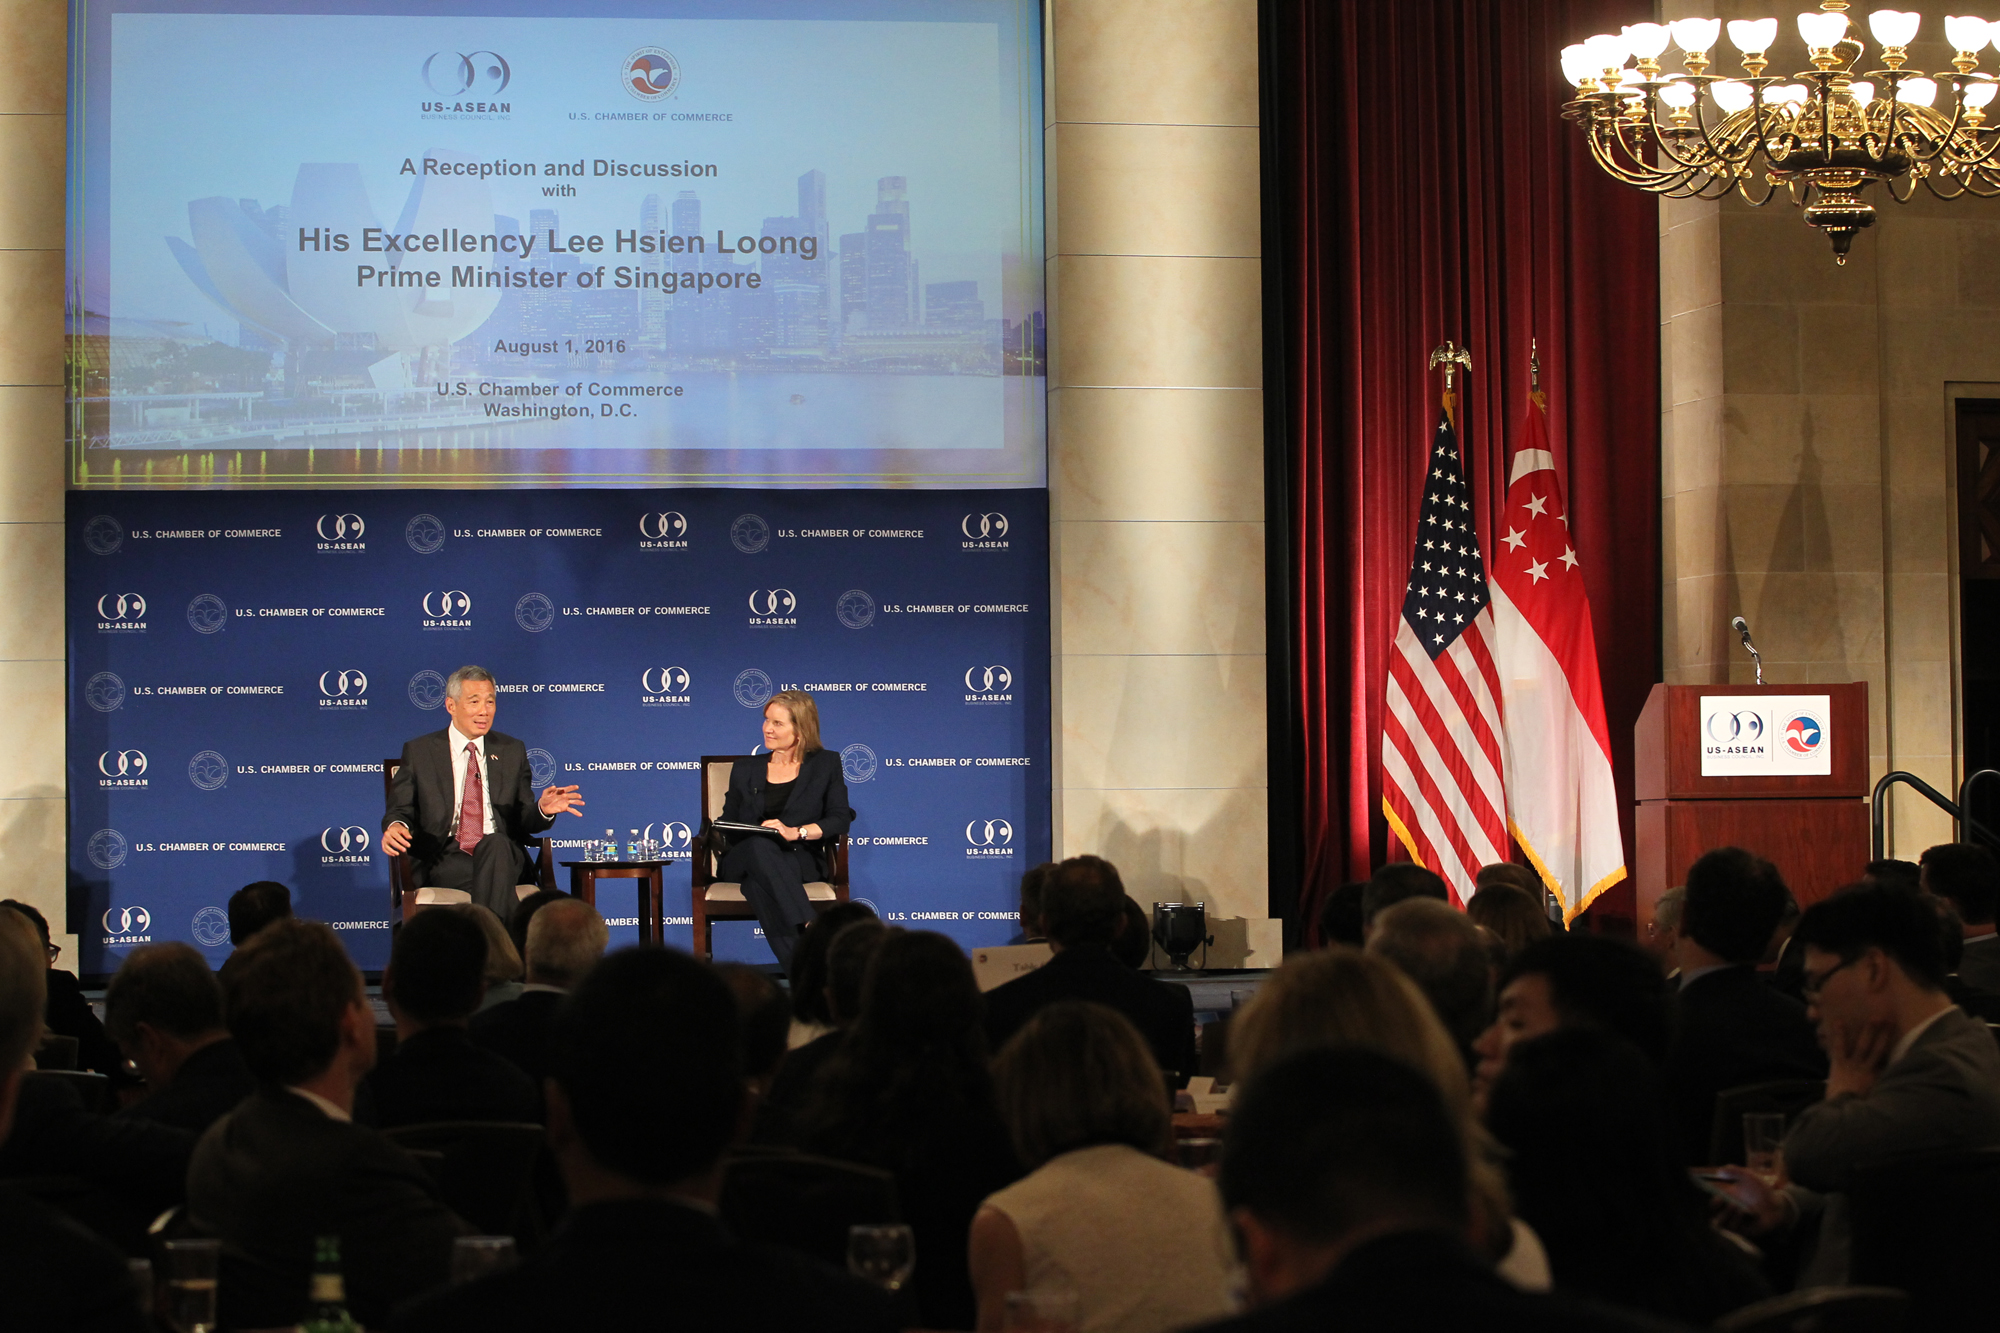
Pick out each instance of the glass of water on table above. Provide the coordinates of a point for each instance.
(883, 1255)
(1763, 1142)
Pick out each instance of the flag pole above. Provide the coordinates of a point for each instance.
(1450, 356)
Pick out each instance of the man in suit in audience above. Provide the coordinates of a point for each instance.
(645, 1096)
(53, 1273)
(1909, 1070)
(1733, 1029)
(1395, 882)
(1346, 1179)
(289, 1165)
(1083, 908)
(1590, 981)
(164, 1009)
(1438, 947)
(1968, 876)
(432, 985)
(565, 940)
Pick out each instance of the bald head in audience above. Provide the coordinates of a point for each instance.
(565, 940)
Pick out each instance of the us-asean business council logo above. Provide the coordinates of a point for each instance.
(989, 685)
(344, 846)
(207, 614)
(106, 849)
(103, 535)
(1739, 732)
(855, 608)
(344, 688)
(989, 837)
(773, 608)
(104, 691)
(126, 926)
(121, 613)
(208, 771)
(672, 835)
(534, 612)
(458, 73)
(857, 762)
(427, 690)
(651, 74)
(122, 769)
(447, 609)
(425, 534)
(210, 927)
(749, 534)
(984, 532)
(341, 532)
(752, 688)
(666, 687)
(663, 531)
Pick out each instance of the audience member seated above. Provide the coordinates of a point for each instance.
(1393, 883)
(1340, 916)
(1663, 933)
(288, 1165)
(648, 1093)
(1133, 944)
(503, 971)
(69, 1013)
(1732, 1029)
(164, 1009)
(1910, 1071)
(524, 912)
(251, 908)
(1894, 874)
(1967, 875)
(764, 1018)
(910, 1092)
(1343, 997)
(54, 1275)
(1577, 981)
(1345, 1176)
(1032, 885)
(846, 961)
(1143, 1243)
(1510, 912)
(1083, 910)
(1443, 951)
(1595, 1170)
(565, 940)
(432, 987)
(808, 970)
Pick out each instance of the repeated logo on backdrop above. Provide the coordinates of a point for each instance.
(281, 647)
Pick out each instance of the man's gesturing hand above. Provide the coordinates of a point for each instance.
(396, 839)
(555, 800)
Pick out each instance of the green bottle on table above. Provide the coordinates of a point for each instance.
(327, 1301)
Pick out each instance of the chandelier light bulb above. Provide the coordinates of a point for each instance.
(1787, 94)
(1822, 29)
(1732, 96)
(1680, 96)
(1753, 36)
(1606, 51)
(1894, 27)
(1863, 90)
(1695, 35)
(1647, 40)
(1978, 95)
(1917, 92)
(1965, 33)
(1576, 64)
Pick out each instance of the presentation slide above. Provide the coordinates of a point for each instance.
(542, 244)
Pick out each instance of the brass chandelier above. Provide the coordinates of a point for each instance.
(1823, 134)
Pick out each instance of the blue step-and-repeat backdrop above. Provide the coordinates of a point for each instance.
(241, 663)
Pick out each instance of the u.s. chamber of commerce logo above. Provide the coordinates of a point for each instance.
(855, 608)
(345, 846)
(752, 688)
(534, 612)
(1803, 734)
(989, 685)
(749, 534)
(857, 762)
(665, 687)
(425, 533)
(984, 532)
(127, 925)
(208, 770)
(663, 531)
(122, 769)
(427, 690)
(103, 535)
(207, 614)
(210, 927)
(346, 688)
(673, 835)
(341, 532)
(542, 768)
(651, 73)
(989, 837)
(104, 691)
(106, 849)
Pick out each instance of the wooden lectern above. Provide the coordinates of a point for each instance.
(1813, 827)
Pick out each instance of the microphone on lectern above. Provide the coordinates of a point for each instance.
(1742, 627)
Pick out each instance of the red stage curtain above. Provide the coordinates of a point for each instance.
(1420, 184)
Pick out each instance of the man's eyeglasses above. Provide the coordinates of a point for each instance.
(1815, 983)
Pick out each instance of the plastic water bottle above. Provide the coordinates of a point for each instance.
(633, 849)
(608, 849)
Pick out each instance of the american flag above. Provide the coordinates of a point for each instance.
(1443, 787)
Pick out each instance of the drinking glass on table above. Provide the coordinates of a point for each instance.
(884, 1255)
(192, 1266)
(1043, 1310)
(474, 1257)
(1763, 1136)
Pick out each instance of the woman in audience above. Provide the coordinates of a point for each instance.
(810, 1018)
(1509, 912)
(1143, 1244)
(910, 1092)
(503, 960)
(1594, 1173)
(1343, 997)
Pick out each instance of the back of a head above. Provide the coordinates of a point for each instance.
(437, 966)
(1079, 1075)
(1340, 915)
(1667, 911)
(647, 1055)
(1033, 884)
(1605, 983)
(285, 995)
(1396, 881)
(847, 959)
(1133, 944)
(255, 906)
(1083, 903)
(1510, 873)
(165, 986)
(1326, 1143)
(1869, 916)
(919, 994)
(809, 959)
(1966, 873)
(1734, 902)
(565, 940)
(763, 1017)
(1344, 997)
(1895, 874)
(1509, 912)
(1951, 930)
(1440, 949)
(33, 916)
(24, 980)
(524, 915)
(503, 960)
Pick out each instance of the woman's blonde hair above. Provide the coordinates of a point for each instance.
(1078, 1075)
(805, 718)
(1343, 997)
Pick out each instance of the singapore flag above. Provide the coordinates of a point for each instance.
(1561, 806)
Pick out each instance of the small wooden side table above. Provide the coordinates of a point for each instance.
(583, 877)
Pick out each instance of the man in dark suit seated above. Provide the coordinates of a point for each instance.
(462, 801)
(646, 1094)
(164, 1009)
(1968, 876)
(432, 985)
(1346, 1179)
(53, 1273)
(1733, 1028)
(1083, 907)
(565, 940)
(289, 1165)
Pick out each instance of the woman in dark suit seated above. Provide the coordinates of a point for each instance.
(799, 791)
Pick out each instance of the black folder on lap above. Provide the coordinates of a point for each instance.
(735, 827)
